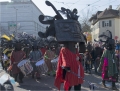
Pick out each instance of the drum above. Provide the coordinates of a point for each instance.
(25, 67)
(54, 63)
(41, 66)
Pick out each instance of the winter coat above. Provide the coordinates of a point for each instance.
(111, 69)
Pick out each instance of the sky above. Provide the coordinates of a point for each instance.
(84, 7)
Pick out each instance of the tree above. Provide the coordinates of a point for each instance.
(84, 20)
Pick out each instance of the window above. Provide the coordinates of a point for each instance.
(102, 23)
(106, 23)
(110, 23)
(99, 24)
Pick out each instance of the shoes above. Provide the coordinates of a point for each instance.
(20, 81)
(53, 73)
(96, 72)
(115, 88)
(37, 75)
(103, 83)
(86, 72)
(33, 76)
(89, 72)
(48, 73)
(38, 78)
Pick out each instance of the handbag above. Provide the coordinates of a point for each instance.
(88, 62)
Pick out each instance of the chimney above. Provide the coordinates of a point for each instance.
(110, 7)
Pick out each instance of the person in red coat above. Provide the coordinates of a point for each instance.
(67, 32)
(69, 69)
(43, 50)
(17, 56)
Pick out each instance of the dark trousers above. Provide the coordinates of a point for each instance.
(2, 65)
(95, 65)
(20, 75)
(76, 87)
(87, 66)
(92, 64)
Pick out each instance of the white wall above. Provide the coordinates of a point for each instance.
(99, 29)
(36, 13)
(112, 28)
(117, 27)
(27, 17)
(95, 31)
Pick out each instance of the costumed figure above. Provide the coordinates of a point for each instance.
(17, 56)
(7, 52)
(35, 55)
(43, 49)
(67, 32)
(48, 56)
(6, 49)
(108, 61)
(89, 46)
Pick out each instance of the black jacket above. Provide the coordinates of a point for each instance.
(96, 52)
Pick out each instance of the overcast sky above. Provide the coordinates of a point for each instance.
(82, 5)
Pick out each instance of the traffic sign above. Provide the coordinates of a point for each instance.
(116, 37)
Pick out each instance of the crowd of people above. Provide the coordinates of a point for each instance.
(90, 60)
(17, 54)
(72, 60)
(105, 61)
(93, 55)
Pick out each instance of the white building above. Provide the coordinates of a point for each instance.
(109, 19)
(20, 16)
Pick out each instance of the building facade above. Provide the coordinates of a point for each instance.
(109, 19)
(20, 16)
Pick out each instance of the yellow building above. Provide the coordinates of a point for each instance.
(88, 36)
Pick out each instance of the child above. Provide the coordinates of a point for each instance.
(87, 61)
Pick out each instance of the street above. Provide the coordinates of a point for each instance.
(47, 83)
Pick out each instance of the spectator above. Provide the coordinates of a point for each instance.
(96, 54)
(88, 61)
(89, 47)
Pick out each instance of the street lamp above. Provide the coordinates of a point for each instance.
(16, 18)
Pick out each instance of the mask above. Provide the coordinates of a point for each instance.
(110, 44)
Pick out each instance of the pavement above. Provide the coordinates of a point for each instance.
(47, 83)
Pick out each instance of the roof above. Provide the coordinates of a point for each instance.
(107, 13)
(118, 7)
(95, 16)
(28, 2)
(37, 7)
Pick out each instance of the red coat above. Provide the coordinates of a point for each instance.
(68, 59)
(16, 56)
(43, 50)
